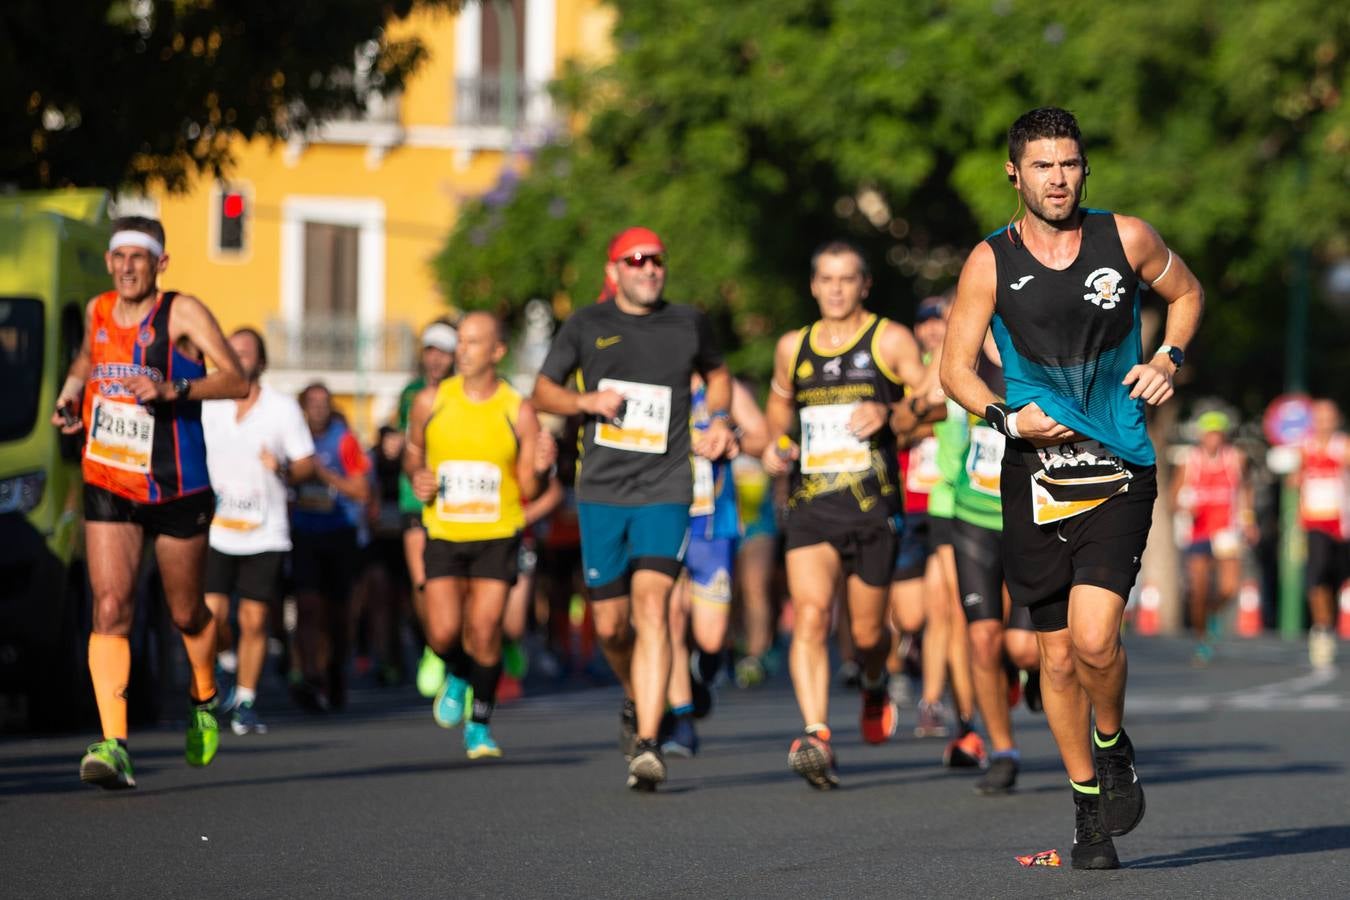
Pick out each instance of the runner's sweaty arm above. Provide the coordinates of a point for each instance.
(780, 410)
(900, 352)
(415, 446)
(72, 390)
(192, 323)
(718, 440)
(1172, 280)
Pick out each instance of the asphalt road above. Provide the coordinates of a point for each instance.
(1245, 765)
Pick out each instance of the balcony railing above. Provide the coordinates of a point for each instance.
(485, 100)
(341, 345)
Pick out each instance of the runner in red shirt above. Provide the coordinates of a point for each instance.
(1211, 488)
(1324, 508)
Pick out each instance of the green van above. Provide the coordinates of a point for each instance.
(51, 263)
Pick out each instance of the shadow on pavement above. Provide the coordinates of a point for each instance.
(1255, 845)
(439, 765)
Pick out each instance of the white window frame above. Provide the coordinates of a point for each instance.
(363, 213)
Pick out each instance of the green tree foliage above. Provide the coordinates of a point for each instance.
(748, 132)
(110, 92)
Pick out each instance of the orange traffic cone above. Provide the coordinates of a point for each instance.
(1147, 620)
(1249, 610)
(1343, 624)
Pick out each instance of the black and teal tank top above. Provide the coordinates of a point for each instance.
(1068, 337)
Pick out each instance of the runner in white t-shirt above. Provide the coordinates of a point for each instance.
(254, 446)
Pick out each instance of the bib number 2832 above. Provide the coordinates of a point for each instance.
(121, 435)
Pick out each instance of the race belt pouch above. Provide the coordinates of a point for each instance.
(1070, 479)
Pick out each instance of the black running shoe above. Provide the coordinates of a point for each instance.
(1031, 690)
(702, 698)
(1122, 794)
(999, 778)
(1092, 846)
(811, 757)
(628, 729)
(647, 768)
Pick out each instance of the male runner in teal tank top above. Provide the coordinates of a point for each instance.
(1060, 288)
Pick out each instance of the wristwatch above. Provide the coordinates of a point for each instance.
(1175, 354)
(182, 389)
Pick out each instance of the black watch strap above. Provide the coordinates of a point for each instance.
(182, 389)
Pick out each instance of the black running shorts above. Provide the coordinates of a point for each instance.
(1328, 561)
(979, 570)
(979, 576)
(867, 550)
(325, 561)
(184, 517)
(939, 532)
(1101, 547)
(253, 577)
(498, 560)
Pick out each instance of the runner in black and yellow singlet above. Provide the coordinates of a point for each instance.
(840, 378)
(142, 375)
(474, 454)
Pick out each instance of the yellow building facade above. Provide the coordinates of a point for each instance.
(339, 226)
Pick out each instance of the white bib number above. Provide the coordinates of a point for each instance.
(827, 444)
(239, 507)
(923, 474)
(468, 491)
(1226, 544)
(1323, 497)
(643, 424)
(121, 435)
(704, 501)
(984, 462)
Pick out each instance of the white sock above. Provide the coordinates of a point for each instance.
(244, 695)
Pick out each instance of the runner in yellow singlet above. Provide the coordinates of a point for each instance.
(475, 455)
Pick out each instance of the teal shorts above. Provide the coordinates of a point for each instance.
(618, 540)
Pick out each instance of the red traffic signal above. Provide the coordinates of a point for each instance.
(233, 206)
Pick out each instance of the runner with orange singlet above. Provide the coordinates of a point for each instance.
(135, 390)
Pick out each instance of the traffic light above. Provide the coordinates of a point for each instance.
(231, 213)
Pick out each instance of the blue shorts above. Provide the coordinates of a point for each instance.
(710, 562)
(617, 540)
(912, 559)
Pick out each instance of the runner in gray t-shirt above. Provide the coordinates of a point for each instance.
(632, 359)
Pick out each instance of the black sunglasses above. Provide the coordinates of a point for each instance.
(638, 260)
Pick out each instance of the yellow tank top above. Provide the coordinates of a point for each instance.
(471, 446)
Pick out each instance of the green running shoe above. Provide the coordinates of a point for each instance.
(515, 662)
(478, 742)
(430, 673)
(108, 765)
(448, 710)
(203, 733)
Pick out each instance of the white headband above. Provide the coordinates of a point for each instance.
(136, 239)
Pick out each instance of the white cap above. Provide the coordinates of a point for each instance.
(440, 336)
